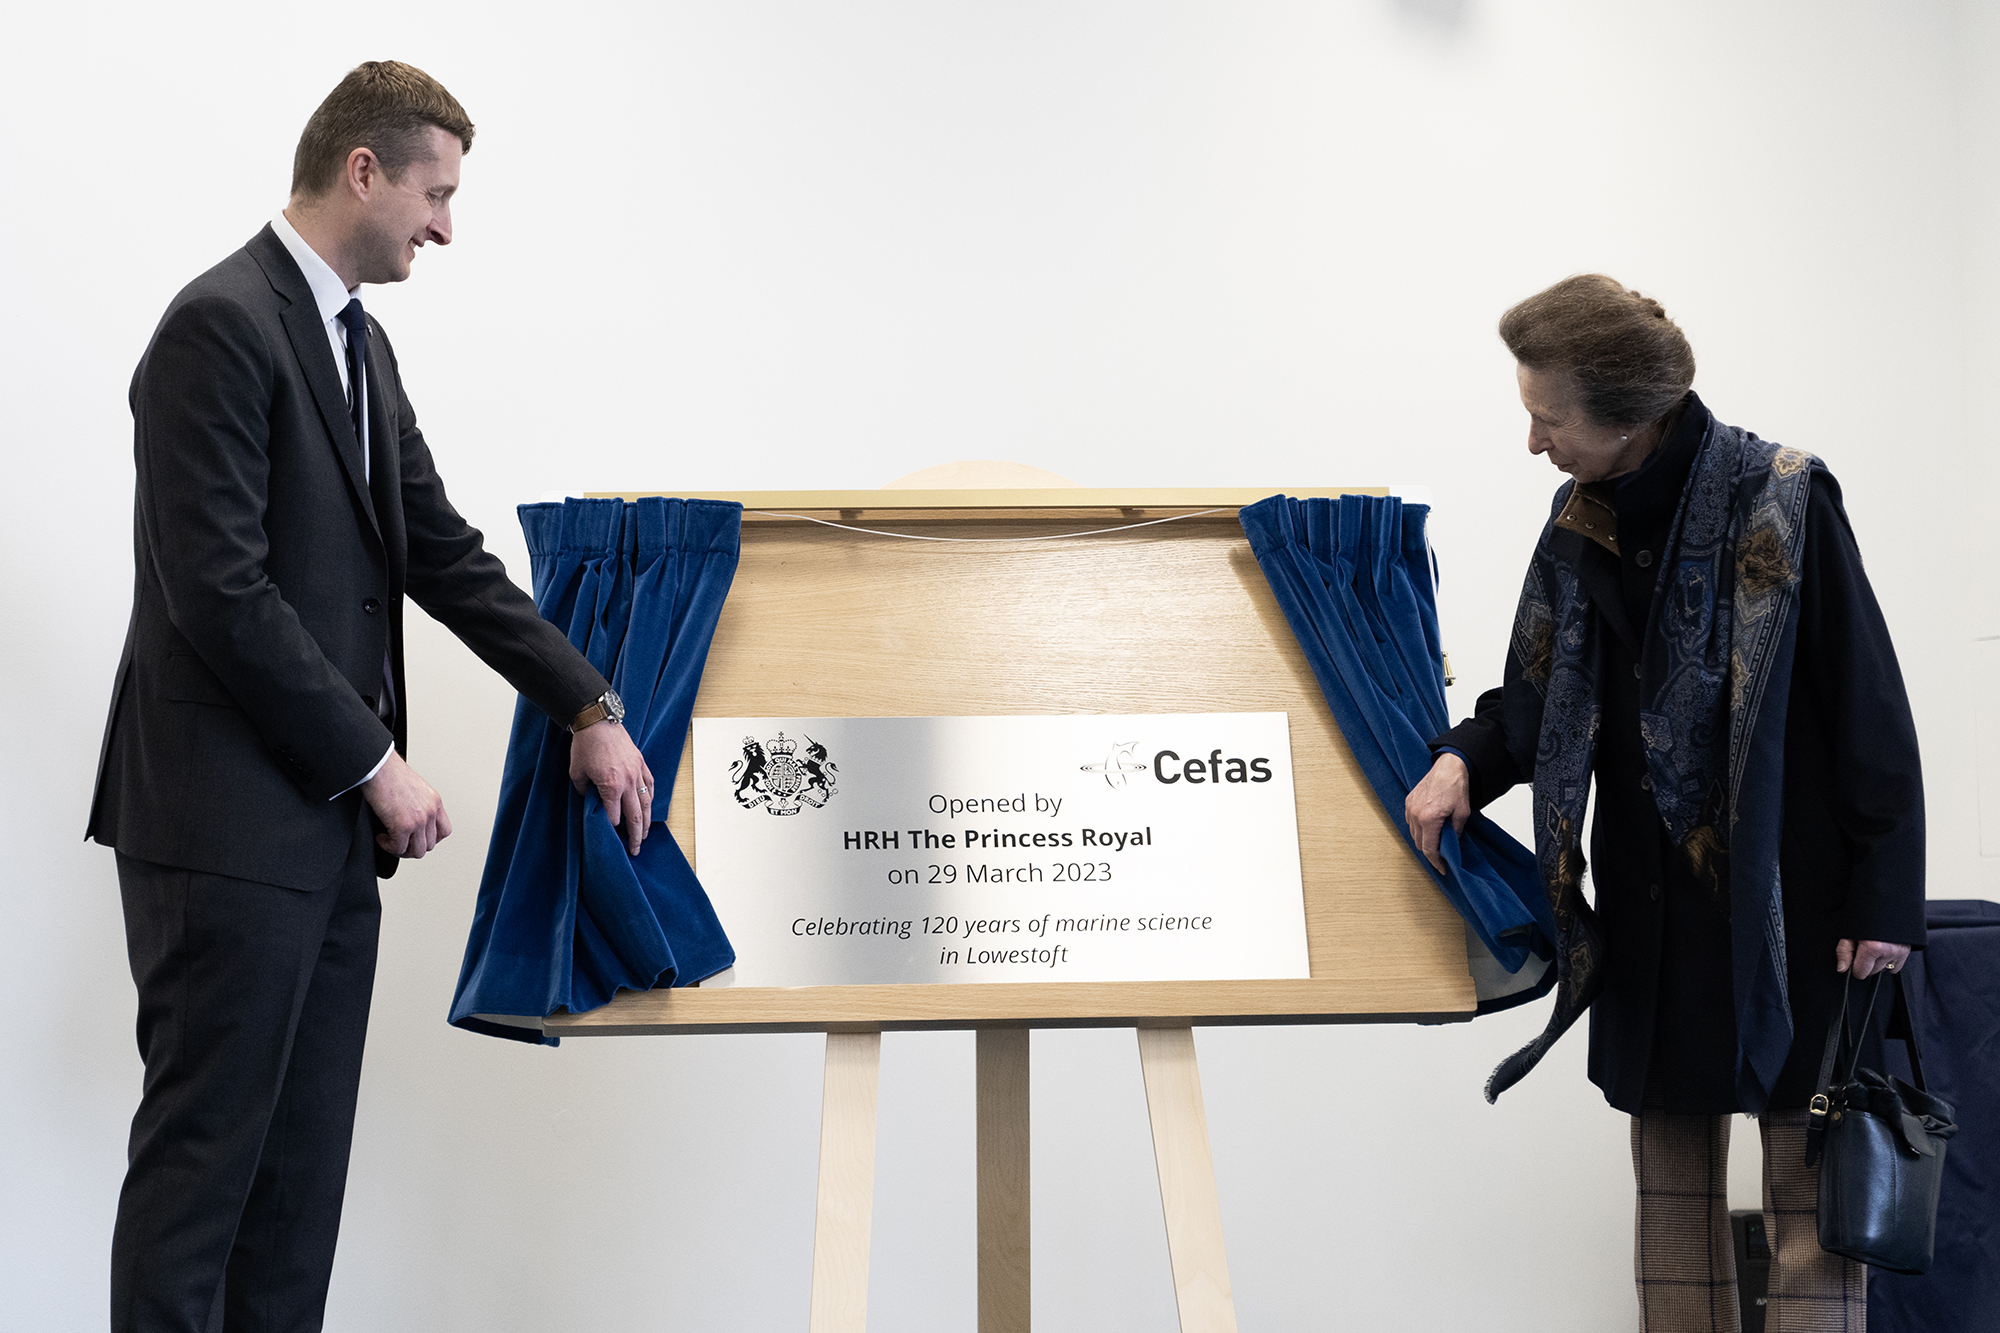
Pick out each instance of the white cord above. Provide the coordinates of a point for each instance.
(1045, 537)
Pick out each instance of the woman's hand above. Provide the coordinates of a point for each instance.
(1444, 794)
(1867, 957)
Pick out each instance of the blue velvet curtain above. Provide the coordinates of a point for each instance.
(566, 917)
(1354, 577)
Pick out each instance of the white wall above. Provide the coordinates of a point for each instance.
(1978, 48)
(799, 245)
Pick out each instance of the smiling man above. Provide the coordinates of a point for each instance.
(252, 776)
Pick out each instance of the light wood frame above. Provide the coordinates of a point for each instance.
(1175, 617)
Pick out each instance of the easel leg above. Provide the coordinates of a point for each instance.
(1002, 1094)
(846, 1182)
(1187, 1180)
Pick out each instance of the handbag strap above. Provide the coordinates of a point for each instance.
(1836, 1037)
(1860, 1033)
(1903, 1025)
(1820, 1104)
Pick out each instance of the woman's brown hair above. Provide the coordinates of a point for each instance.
(1629, 362)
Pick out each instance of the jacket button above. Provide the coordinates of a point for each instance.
(1645, 782)
(1645, 559)
(372, 605)
(1637, 674)
(1653, 892)
(368, 699)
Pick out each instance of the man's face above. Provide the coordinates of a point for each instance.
(1559, 428)
(398, 216)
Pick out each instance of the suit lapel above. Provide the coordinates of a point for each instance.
(386, 473)
(1599, 572)
(307, 332)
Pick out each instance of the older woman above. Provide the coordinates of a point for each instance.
(1697, 635)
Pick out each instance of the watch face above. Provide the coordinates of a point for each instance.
(614, 705)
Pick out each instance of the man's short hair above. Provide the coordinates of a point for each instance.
(384, 106)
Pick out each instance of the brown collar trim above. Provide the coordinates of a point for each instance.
(1590, 514)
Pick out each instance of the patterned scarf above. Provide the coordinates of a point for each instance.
(1715, 676)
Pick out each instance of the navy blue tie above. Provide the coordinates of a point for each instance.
(356, 324)
(357, 355)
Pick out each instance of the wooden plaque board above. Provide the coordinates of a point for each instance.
(1172, 618)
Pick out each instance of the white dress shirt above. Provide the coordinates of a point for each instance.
(331, 295)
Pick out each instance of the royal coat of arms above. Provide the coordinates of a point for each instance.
(776, 776)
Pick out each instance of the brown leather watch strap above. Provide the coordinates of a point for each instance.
(597, 712)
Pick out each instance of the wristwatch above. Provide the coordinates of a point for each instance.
(607, 708)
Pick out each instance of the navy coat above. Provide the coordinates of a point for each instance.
(1663, 1032)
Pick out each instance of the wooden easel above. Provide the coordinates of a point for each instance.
(847, 1170)
(895, 628)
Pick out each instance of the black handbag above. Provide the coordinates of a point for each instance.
(1880, 1148)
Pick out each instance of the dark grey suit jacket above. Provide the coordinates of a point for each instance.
(270, 577)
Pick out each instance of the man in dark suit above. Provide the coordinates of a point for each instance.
(252, 777)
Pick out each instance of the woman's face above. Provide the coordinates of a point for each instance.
(1558, 427)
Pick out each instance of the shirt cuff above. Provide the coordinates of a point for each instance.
(378, 768)
(1442, 749)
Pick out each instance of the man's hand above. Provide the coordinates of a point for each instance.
(603, 756)
(1444, 794)
(1867, 957)
(411, 811)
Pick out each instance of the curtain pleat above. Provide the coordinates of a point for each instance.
(1354, 578)
(566, 917)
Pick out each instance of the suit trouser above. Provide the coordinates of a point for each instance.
(1683, 1256)
(253, 1009)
